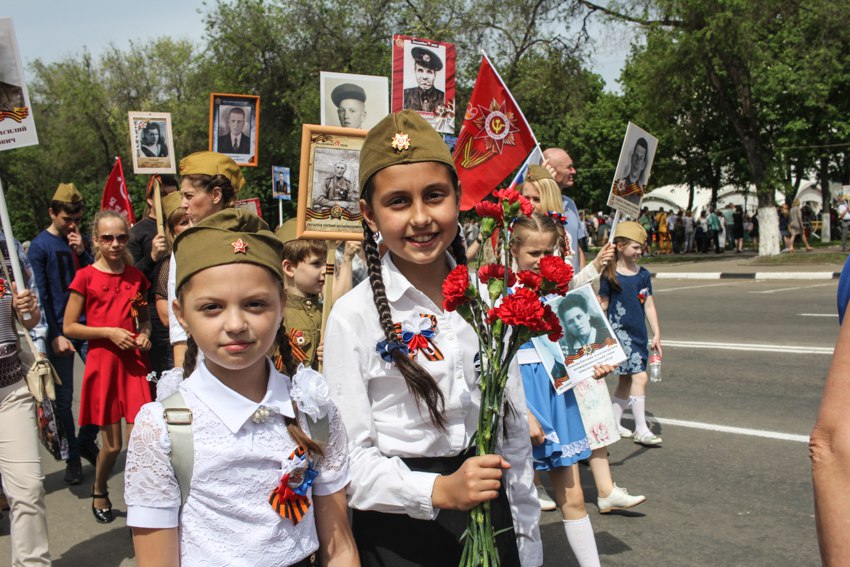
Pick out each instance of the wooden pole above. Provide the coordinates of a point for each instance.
(10, 245)
(328, 292)
(157, 205)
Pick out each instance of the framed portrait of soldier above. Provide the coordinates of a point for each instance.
(353, 101)
(329, 194)
(235, 127)
(151, 143)
(588, 338)
(424, 80)
(17, 126)
(633, 167)
(281, 184)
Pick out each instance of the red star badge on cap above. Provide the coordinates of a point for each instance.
(239, 246)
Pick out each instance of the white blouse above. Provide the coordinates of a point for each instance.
(384, 422)
(227, 519)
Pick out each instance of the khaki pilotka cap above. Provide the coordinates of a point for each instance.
(287, 231)
(631, 230)
(403, 137)
(67, 193)
(231, 236)
(171, 203)
(538, 172)
(212, 163)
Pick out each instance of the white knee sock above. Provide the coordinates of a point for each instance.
(619, 405)
(638, 404)
(582, 541)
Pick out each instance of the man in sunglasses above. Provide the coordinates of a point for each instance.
(56, 254)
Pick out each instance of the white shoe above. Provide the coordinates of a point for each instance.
(546, 502)
(647, 439)
(619, 499)
(625, 433)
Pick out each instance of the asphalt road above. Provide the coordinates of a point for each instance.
(714, 498)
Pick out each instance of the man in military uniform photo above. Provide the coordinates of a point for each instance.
(350, 102)
(337, 189)
(424, 97)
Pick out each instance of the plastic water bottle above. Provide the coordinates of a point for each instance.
(655, 367)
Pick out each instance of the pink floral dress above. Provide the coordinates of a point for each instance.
(594, 404)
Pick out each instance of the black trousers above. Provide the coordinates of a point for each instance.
(397, 540)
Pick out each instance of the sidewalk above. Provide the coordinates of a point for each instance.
(822, 263)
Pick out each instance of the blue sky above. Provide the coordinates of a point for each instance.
(51, 30)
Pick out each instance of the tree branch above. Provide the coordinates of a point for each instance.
(593, 7)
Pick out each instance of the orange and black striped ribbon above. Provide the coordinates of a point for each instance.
(425, 345)
(589, 348)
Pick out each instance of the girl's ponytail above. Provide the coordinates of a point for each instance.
(419, 382)
(190, 359)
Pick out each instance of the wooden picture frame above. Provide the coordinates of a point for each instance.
(152, 156)
(222, 107)
(329, 192)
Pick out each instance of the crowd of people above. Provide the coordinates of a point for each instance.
(205, 340)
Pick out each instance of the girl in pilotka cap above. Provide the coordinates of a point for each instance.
(411, 408)
(237, 465)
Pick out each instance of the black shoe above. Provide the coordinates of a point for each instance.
(89, 452)
(102, 515)
(74, 472)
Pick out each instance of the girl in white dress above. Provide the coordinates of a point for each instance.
(261, 488)
(411, 404)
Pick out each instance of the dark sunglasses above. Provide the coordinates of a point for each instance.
(108, 238)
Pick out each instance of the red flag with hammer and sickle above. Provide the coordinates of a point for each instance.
(494, 140)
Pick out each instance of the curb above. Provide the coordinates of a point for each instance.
(746, 276)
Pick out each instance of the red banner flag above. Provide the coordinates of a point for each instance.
(495, 137)
(115, 196)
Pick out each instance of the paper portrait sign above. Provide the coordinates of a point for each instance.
(151, 143)
(588, 339)
(552, 360)
(17, 126)
(633, 167)
(251, 205)
(424, 80)
(281, 184)
(329, 193)
(353, 101)
(235, 127)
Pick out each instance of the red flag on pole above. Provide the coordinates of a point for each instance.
(115, 196)
(495, 137)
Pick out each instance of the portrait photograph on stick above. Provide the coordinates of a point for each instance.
(281, 185)
(17, 127)
(633, 169)
(424, 80)
(588, 339)
(235, 127)
(329, 198)
(152, 145)
(353, 101)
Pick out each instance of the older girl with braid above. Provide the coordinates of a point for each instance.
(404, 372)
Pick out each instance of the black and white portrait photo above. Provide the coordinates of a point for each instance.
(17, 126)
(234, 128)
(151, 142)
(335, 180)
(424, 80)
(353, 101)
(633, 169)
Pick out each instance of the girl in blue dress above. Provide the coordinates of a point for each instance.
(555, 425)
(626, 294)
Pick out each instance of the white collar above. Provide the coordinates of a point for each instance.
(395, 283)
(234, 409)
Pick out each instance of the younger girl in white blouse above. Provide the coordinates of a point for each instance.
(404, 372)
(262, 492)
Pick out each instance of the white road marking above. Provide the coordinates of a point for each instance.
(735, 430)
(786, 349)
(794, 275)
(792, 288)
(687, 276)
(818, 315)
(731, 283)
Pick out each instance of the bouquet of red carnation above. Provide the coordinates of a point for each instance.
(504, 319)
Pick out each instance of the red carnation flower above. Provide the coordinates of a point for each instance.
(509, 195)
(521, 308)
(525, 206)
(553, 323)
(554, 270)
(456, 289)
(490, 209)
(529, 279)
(495, 271)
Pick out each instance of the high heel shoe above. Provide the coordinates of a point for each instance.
(102, 515)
